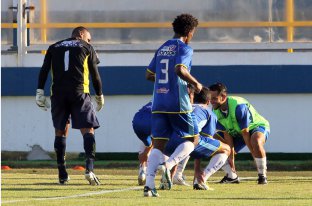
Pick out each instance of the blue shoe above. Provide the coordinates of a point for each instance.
(165, 181)
(148, 192)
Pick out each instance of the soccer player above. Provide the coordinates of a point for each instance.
(141, 124)
(207, 146)
(71, 61)
(171, 109)
(242, 125)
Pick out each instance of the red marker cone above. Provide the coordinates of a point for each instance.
(5, 167)
(77, 167)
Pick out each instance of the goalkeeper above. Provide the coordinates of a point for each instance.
(71, 61)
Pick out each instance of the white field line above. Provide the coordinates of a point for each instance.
(73, 196)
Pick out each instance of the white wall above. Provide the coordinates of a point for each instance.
(24, 124)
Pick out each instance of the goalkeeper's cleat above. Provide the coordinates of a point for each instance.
(63, 175)
(165, 181)
(142, 176)
(63, 181)
(92, 179)
(201, 186)
(179, 181)
(227, 180)
(148, 192)
(262, 180)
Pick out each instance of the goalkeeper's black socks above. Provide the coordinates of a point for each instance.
(60, 149)
(89, 147)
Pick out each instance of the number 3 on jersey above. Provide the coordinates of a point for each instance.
(164, 71)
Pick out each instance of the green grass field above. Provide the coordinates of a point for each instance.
(119, 187)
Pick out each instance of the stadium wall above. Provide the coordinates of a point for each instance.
(277, 84)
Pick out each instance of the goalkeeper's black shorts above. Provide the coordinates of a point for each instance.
(77, 106)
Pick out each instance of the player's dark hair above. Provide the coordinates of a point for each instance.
(77, 30)
(184, 23)
(203, 96)
(191, 88)
(219, 87)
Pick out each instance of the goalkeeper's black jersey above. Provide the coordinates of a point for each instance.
(71, 61)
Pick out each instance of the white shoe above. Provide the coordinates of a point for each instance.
(165, 181)
(92, 179)
(141, 176)
(179, 181)
(201, 186)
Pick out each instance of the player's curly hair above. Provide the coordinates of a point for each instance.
(184, 23)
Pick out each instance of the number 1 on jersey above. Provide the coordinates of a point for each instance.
(66, 60)
(164, 71)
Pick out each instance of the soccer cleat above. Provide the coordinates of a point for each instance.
(63, 175)
(201, 186)
(262, 180)
(165, 181)
(142, 176)
(92, 179)
(64, 181)
(179, 181)
(227, 180)
(148, 192)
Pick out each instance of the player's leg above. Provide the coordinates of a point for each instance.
(217, 160)
(60, 150)
(60, 117)
(209, 147)
(179, 178)
(141, 124)
(185, 125)
(161, 131)
(258, 138)
(143, 156)
(84, 118)
(229, 169)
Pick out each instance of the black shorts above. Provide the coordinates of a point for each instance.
(78, 107)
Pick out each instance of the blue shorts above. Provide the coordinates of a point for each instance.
(206, 146)
(239, 142)
(78, 107)
(141, 124)
(164, 124)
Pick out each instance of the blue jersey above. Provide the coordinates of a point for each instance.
(206, 120)
(170, 91)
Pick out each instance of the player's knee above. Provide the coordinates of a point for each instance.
(225, 149)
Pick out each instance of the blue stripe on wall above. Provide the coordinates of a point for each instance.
(131, 80)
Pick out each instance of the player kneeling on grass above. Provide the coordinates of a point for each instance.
(142, 128)
(241, 125)
(207, 146)
(141, 124)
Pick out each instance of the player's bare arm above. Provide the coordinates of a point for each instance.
(184, 74)
(150, 75)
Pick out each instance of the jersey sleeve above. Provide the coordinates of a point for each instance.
(93, 61)
(152, 66)
(184, 57)
(45, 69)
(243, 116)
